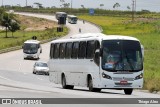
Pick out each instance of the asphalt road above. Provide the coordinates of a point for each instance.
(17, 80)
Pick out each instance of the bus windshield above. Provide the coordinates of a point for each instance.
(74, 18)
(122, 55)
(30, 48)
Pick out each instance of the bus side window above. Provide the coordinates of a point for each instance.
(51, 51)
(90, 49)
(62, 50)
(96, 56)
(82, 50)
(68, 50)
(38, 45)
(97, 45)
(75, 48)
(56, 51)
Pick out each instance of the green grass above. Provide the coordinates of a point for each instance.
(147, 29)
(20, 37)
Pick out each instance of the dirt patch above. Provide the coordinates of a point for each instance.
(34, 24)
(146, 19)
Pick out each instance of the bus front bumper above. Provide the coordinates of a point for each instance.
(30, 56)
(106, 83)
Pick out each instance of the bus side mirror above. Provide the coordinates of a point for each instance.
(97, 57)
(22, 47)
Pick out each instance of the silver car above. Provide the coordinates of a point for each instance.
(40, 68)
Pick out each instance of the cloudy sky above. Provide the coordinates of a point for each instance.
(153, 5)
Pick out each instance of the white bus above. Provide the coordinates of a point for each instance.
(32, 49)
(97, 61)
(72, 19)
(60, 14)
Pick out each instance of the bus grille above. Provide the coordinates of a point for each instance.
(120, 79)
(127, 84)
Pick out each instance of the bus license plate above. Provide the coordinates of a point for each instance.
(123, 82)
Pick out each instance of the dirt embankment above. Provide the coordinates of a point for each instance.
(34, 24)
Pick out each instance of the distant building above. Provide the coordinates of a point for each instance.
(28, 7)
(7, 6)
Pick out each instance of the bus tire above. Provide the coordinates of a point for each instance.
(70, 86)
(90, 85)
(34, 72)
(64, 82)
(97, 89)
(128, 91)
(64, 85)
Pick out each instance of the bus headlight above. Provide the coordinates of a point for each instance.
(139, 76)
(106, 76)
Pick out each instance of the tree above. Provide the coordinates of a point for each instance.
(1, 11)
(63, 2)
(116, 5)
(82, 6)
(14, 26)
(18, 5)
(39, 5)
(128, 8)
(101, 5)
(66, 5)
(5, 21)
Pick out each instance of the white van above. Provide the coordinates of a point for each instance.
(32, 49)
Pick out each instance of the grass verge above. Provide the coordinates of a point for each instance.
(147, 29)
(30, 26)
(20, 37)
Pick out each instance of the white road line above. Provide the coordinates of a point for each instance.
(20, 66)
(25, 73)
(39, 78)
(5, 78)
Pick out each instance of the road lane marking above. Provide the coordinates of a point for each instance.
(39, 78)
(25, 73)
(5, 78)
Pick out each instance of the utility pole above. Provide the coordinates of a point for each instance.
(26, 3)
(71, 4)
(2, 3)
(133, 6)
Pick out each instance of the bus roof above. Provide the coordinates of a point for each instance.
(94, 36)
(72, 16)
(61, 13)
(32, 41)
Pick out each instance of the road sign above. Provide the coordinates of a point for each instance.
(34, 37)
(91, 11)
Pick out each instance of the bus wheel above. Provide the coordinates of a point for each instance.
(64, 82)
(34, 72)
(128, 91)
(70, 86)
(90, 85)
(97, 90)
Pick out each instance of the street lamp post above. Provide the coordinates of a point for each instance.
(2, 3)
(26, 3)
(71, 4)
